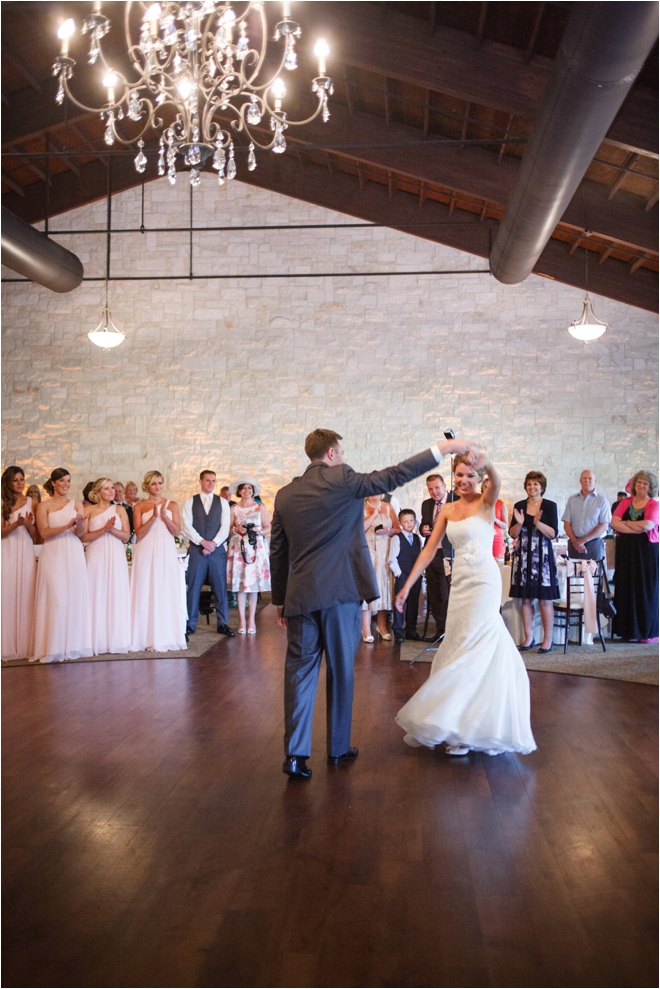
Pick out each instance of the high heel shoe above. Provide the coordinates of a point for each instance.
(527, 648)
(367, 638)
(384, 635)
(241, 631)
(252, 631)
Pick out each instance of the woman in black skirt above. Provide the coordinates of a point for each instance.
(533, 567)
(635, 522)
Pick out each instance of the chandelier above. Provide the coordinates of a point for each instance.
(194, 64)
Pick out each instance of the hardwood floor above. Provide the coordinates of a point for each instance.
(150, 838)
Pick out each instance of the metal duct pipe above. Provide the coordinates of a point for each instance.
(34, 255)
(603, 49)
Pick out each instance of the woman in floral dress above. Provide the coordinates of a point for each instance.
(533, 567)
(248, 563)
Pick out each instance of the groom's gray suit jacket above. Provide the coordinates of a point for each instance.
(319, 556)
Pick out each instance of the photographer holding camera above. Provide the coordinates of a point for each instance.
(248, 565)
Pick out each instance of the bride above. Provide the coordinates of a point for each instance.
(477, 696)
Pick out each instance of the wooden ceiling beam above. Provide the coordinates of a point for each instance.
(652, 200)
(619, 179)
(535, 32)
(606, 253)
(483, 13)
(637, 263)
(14, 186)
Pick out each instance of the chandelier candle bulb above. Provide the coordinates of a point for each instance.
(321, 51)
(286, 9)
(64, 33)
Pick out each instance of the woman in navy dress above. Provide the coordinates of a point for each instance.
(533, 567)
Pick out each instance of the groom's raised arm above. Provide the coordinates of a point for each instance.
(382, 481)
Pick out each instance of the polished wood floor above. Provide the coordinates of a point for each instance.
(150, 838)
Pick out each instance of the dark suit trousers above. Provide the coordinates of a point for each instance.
(437, 589)
(409, 613)
(336, 631)
(211, 568)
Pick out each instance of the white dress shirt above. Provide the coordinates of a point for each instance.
(395, 546)
(187, 520)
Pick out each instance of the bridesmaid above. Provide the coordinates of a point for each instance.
(106, 531)
(158, 592)
(62, 628)
(18, 566)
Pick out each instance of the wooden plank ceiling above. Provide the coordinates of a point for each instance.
(407, 76)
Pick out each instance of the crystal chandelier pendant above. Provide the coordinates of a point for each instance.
(140, 161)
(231, 164)
(134, 108)
(279, 143)
(109, 136)
(253, 116)
(252, 161)
(161, 157)
(59, 97)
(195, 178)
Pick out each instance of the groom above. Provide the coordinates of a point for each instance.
(321, 572)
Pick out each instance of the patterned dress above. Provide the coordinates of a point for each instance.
(533, 567)
(248, 567)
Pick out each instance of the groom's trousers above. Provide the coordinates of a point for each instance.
(335, 631)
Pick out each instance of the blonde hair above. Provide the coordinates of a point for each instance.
(130, 484)
(148, 478)
(644, 475)
(93, 495)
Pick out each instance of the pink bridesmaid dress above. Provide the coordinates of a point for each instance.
(109, 592)
(62, 627)
(19, 570)
(158, 593)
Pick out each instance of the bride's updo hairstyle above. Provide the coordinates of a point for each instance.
(57, 475)
(94, 494)
(463, 458)
(148, 478)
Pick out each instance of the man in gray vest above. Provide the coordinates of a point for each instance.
(205, 519)
(321, 571)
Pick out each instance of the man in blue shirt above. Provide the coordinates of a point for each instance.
(586, 518)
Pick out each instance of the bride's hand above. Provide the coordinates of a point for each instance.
(400, 600)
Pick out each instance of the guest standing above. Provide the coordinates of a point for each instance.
(62, 627)
(131, 499)
(120, 499)
(437, 585)
(248, 561)
(404, 550)
(501, 523)
(206, 526)
(586, 519)
(635, 522)
(106, 532)
(380, 523)
(533, 569)
(158, 593)
(18, 566)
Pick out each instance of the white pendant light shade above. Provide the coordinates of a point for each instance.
(588, 326)
(106, 334)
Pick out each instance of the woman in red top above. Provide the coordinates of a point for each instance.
(635, 522)
(501, 524)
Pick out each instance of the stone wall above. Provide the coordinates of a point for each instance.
(232, 374)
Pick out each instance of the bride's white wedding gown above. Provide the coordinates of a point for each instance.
(478, 691)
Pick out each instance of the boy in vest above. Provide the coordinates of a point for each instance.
(404, 550)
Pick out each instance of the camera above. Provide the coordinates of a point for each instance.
(251, 533)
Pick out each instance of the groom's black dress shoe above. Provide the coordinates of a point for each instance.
(414, 636)
(399, 639)
(296, 767)
(225, 630)
(190, 631)
(350, 756)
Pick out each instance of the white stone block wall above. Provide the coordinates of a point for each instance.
(232, 374)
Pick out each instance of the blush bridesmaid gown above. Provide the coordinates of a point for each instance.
(19, 571)
(109, 592)
(158, 592)
(62, 627)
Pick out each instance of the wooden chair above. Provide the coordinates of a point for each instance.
(570, 613)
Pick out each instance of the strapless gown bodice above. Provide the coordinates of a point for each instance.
(478, 691)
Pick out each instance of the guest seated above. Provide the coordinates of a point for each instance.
(635, 522)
